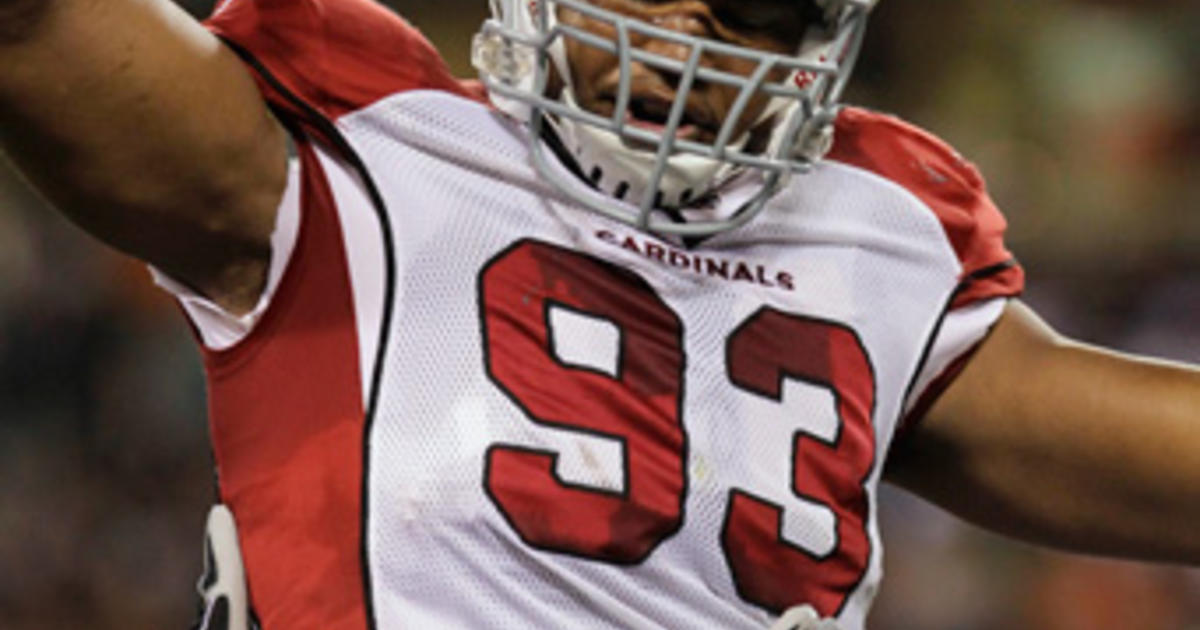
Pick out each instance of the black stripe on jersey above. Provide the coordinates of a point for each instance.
(330, 133)
(985, 272)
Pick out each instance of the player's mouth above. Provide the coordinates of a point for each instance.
(652, 111)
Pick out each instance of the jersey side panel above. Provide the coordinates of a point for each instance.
(947, 184)
(287, 419)
(333, 56)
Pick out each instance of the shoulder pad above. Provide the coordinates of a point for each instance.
(948, 185)
(335, 56)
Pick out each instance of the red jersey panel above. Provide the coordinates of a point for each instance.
(287, 427)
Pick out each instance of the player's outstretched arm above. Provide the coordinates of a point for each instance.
(144, 129)
(1065, 444)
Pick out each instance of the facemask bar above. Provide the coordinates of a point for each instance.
(506, 55)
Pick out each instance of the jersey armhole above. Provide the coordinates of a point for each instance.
(307, 256)
(951, 347)
(218, 329)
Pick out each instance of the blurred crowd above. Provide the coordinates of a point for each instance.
(1084, 116)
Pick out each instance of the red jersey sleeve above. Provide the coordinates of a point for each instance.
(330, 57)
(948, 185)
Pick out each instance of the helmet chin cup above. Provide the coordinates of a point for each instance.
(627, 173)
(639, 169)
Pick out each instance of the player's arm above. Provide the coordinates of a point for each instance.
(1065, 444)
(145, 130)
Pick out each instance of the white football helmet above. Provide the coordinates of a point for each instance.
(642, 169)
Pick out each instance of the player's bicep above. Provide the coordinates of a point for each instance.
(1061, 443)
(142, 127)
(977, 413)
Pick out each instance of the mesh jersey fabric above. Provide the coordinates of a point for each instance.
(471, 403)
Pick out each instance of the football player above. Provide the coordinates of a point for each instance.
(626, 335)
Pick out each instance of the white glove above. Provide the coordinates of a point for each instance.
(803, 618)
(222, 588)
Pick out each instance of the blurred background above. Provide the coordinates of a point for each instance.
(1084, 116)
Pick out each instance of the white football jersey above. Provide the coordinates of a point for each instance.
(467, 402)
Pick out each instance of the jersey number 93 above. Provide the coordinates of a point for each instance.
(639, 405)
